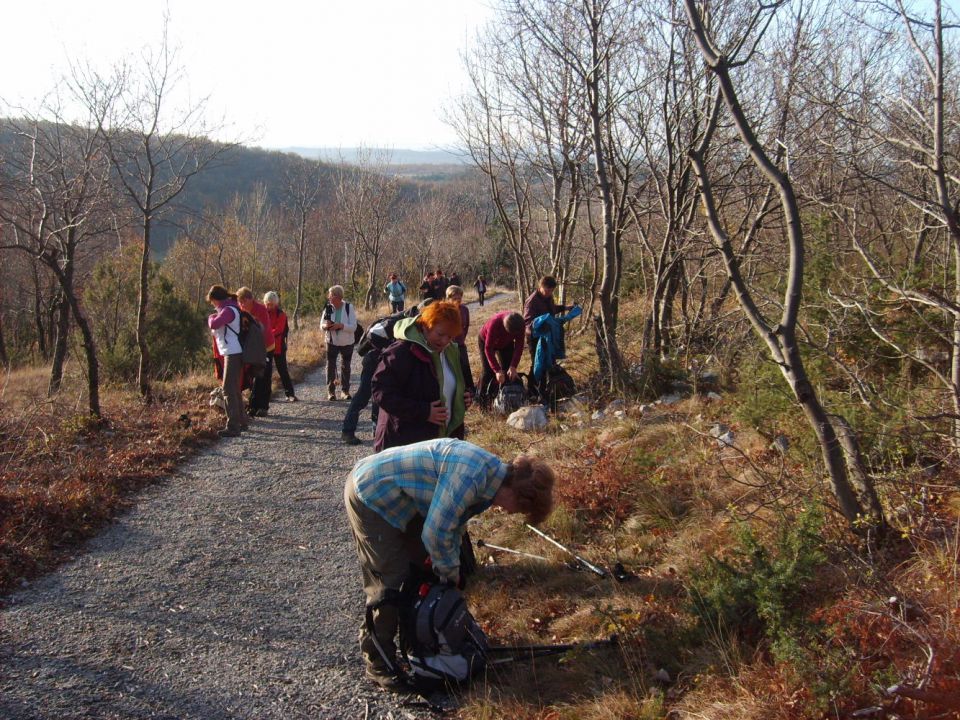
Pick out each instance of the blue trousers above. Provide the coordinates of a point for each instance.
(361, 397)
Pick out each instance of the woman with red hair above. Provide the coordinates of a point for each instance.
(421, 384)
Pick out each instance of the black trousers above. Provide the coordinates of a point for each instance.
(262, 386)
(284, 373)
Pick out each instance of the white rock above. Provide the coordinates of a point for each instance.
(719, 429)
(662, 676)
(532, 417)
(619, 414)
(726, 440)
(781, 443)
(713, 396)
(615, 405)
(598, 415)
(646, 408)
(671, 399)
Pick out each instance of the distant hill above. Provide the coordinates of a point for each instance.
(397, 157)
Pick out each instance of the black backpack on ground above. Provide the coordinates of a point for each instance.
(511, 397)
(559, 386)
(252, 342)
(439, 639)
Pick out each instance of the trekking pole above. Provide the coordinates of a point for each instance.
(482, 544)
(521, 652)
(588, 565)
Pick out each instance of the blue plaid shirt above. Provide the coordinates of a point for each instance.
(445, 481)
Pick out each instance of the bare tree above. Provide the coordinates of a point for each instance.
(302, 190)
(155, 148)
(367, 194)
(859, 505)
(57, 204)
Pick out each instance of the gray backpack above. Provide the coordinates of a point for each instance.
(253, 344)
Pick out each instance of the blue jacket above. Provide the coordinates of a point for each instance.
(547, 330)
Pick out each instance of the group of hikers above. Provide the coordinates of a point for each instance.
(408, 503)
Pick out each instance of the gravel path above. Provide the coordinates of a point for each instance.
(231, 591)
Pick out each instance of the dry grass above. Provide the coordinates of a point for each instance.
(64, 474)
(655, 492)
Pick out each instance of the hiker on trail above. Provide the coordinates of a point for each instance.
(481, 287)
(454, 278)
(377, 338)
(421, 385)
(455, 295)
(540, 303)
(412, 502)
(501, 347)
(396, 291)
(439, 285)
(224, 324)
(339, 324)
(278, 319)
(262, 386)
(426, 287)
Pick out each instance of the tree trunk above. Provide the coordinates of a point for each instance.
(300, 250)
(4, 359)
(143, 371)
(90, 349)
(60, 346)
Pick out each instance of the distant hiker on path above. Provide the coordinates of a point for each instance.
(438, 287)
(455, 295)
(281, 330)
(412, 502)
(481, 287)
(426, 287)
(225, 326)
(339, 323)
(396, 291)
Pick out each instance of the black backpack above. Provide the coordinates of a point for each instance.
(252, 342)
(439, 639)
(559, 386)
(511, 397)
(370, 341)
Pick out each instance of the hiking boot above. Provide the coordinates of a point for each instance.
(347, 396)
(228, 432)
(350, 439)
(291, 398)
(331, 395)
(386, 680)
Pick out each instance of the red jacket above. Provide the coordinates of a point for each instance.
(494, 336)
(278, 318)
(262, 316)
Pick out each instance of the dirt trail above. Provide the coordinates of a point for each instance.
(223, 594)
(230, 591)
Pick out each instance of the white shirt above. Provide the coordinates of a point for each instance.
(449, 383)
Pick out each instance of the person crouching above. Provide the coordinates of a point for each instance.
(412, 502)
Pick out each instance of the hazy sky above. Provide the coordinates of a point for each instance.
(281, 72)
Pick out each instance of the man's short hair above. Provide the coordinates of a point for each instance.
(531, 481)
(514, 323)
(454, 291)
(244, 293)
(548, 281)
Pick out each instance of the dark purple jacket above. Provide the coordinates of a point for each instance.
(404, 386)
(537, 305)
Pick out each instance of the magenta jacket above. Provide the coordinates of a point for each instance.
(494, 336)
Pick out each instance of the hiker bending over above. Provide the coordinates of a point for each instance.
(501, 345)
(412, 502)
